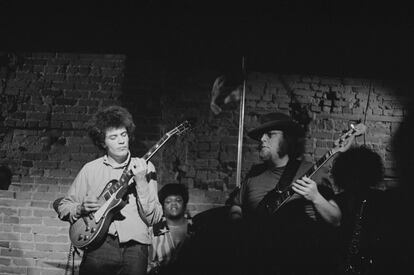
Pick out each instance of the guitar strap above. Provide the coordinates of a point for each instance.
(288, 174)
(284, 181)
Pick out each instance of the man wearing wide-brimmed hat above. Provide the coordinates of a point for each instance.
(286, 235)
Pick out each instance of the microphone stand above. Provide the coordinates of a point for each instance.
(241, 124)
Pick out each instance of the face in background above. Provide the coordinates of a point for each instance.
(174, 207)
(116, 143)
(270, 145)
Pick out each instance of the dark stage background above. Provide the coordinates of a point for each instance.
(357, 38)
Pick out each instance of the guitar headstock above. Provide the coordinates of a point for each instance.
(359, 129)
(180, 129)
(344, 142)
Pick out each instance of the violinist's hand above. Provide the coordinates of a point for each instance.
(307, 188)
(139, 169)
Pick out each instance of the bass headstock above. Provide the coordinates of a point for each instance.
(344, 142)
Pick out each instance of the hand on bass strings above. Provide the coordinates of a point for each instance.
(307, 188)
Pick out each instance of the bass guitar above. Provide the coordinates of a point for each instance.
(90, 230)
(275, 199)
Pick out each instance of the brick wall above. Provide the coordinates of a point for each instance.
(331, 104)
(47, 98)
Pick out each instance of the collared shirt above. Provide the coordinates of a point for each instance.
(92, 180)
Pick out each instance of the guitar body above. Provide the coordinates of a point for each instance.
(86, 232)
(276, 198)
(271, 202)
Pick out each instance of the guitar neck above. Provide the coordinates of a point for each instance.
(319, 163)
(156, 147)
(151, 152)
(312, 170)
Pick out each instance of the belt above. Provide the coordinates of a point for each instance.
(114, 241)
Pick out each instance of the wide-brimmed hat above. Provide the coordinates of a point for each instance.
(276, 121)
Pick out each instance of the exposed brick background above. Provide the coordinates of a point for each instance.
(46, 99)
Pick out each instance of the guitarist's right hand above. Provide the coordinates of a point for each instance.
(90, 204)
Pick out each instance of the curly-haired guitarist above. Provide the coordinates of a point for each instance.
(123, 249)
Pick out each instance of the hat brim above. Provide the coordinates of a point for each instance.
(287, 126)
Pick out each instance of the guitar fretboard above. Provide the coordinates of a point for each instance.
(288, 192)
(157, 146)
(319, 163)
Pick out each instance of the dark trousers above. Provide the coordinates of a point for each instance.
(113, 258)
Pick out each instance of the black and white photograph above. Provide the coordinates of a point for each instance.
(206, 137)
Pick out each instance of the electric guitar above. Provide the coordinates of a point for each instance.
(277, 198)
(90, 230)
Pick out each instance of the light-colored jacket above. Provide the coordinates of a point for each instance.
(92, 179)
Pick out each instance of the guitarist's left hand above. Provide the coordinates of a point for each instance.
(306, 188)
(139, 169)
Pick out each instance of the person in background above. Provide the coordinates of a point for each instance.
(172, 235)
(368, 233)
(401, 239)
(125, 248)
